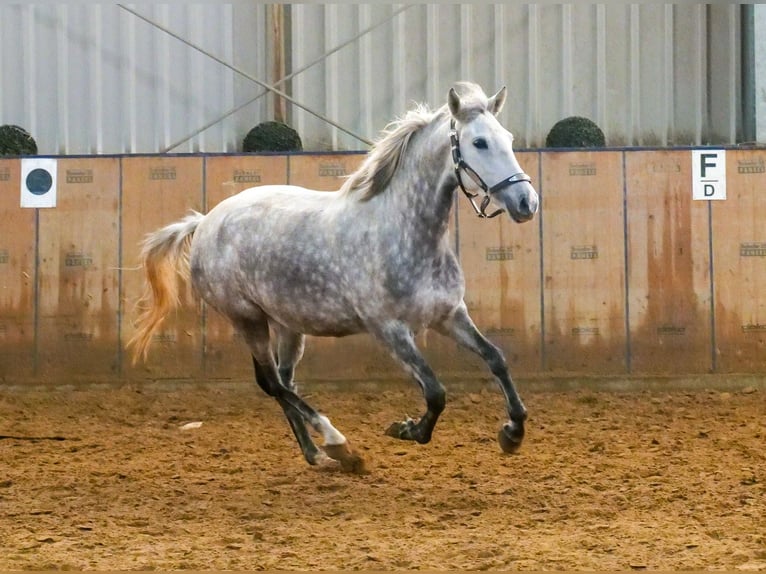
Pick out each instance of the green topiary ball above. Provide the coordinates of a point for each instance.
(575, 131)
(16, 141)
(272, 136)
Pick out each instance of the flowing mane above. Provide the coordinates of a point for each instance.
(382, 161)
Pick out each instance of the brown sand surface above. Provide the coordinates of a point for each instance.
(106, 478)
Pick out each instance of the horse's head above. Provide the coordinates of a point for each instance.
(483, 150)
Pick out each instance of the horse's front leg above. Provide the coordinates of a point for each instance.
(400, 341)
(461, 328)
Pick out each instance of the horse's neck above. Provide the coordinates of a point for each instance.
(422, 191)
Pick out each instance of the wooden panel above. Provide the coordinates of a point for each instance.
(79, 274)
(157, 191)
(17, 277)
(669, 264)
(230, 174)
(323, 171)
(583, 258)
(501, 262)
(226, 355)
(739, 260)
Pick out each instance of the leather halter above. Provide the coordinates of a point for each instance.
(460, 164)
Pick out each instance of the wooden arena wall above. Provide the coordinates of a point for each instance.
(622, 272)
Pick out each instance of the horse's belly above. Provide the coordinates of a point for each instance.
(316, 319)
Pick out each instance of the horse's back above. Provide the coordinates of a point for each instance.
(274, 196)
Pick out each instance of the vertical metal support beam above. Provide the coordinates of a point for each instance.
(130, 81)
(400, 43)
(759, 72)
(97, 80)
(533, 84)
(332, 100)
(499, 73)
(747, 47)
(668, 134)
(601, 70)
(735, 95)
(466, 40)
(62, 80)
(634, 78)
(366, 49)
(163, 83)
(567, 77)
(29, 55)
(432, 48)
(701, 75)
(278, 56)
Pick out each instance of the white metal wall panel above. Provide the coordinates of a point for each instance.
(647, 74)
(95, 78)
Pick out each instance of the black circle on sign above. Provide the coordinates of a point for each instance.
(39, 181)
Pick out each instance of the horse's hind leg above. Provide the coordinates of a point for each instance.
(290, 347)
(461, 328)
(256, 334)
(310, 451)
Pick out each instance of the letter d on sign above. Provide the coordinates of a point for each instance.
(709, 174)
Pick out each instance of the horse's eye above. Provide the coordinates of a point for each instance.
(480, 143)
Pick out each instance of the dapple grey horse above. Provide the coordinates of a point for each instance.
(282, 261)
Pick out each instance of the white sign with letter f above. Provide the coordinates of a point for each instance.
(709, 174)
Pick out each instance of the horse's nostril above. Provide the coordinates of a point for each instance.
(524, 205)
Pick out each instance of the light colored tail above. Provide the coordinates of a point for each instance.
(165, 259)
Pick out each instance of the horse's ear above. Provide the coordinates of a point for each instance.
(497, 101)
(454, 102)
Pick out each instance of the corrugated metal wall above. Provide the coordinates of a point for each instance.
(648, 74)
(98, 78)
(95, 78)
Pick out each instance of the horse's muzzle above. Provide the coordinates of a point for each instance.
(520, 201)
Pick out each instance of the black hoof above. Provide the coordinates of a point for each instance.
(510, 437)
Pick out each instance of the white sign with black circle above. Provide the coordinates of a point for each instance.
(38, 182)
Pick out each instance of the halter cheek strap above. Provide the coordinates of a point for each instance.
(461, 165)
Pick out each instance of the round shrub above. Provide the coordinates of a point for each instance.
(16, 141)
(272, 136)
(575, 131)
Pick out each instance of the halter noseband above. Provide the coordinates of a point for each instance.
(460, 164)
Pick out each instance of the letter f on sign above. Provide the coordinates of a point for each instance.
(704, 163)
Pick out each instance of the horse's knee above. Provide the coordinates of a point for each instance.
(495, 360)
